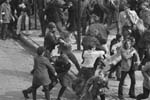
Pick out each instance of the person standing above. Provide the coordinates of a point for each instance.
(146, 74)
(127, 67)
(5, 17)
(40, 75)
(51, 38)
(41, 5)
(24, 7)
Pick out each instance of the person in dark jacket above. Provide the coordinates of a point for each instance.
(62, 66)
(54, 14)
(51, 40)
(145, 68)
(5, 18)
(40, 75)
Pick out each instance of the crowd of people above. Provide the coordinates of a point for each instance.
(14, 17)
(128, 52)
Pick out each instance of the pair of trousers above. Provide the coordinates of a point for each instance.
(33, 90)
(19, 22)
(43, 23)
(132, 86)
(4, 30)
(62, 82)
(144, 95)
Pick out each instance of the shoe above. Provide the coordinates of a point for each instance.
(41, 35)
(118, 79)
(121, 97)
(25, 94)
(132, 96)
(58, 99)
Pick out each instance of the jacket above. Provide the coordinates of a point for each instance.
(41, 68)
(50, 41)
(146, 75)
(5, 13)
(127, 55)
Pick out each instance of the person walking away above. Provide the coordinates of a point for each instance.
(146, 74)
(127, 67)
(40, 75)
(23, 18)
(5, 17)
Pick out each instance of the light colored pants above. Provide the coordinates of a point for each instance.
(19, 23)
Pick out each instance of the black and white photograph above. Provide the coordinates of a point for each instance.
(74, 49)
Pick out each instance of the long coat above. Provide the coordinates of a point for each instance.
(41, 67)
(5, 8)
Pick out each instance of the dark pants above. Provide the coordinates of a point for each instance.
(132, 86)
(4, 30)
(102, 97)
(116, 68)
(144, 95)
(42, 21)
(34, 88)
(62, 82)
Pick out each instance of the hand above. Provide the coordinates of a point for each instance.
(55, 74)
(1, 21)
(13, 18)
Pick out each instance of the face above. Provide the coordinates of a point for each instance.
(128, 44)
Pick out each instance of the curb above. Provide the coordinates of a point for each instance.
(28, 42)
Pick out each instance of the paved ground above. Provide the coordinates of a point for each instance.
(16, 63)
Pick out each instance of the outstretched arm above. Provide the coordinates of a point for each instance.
(72, 57)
